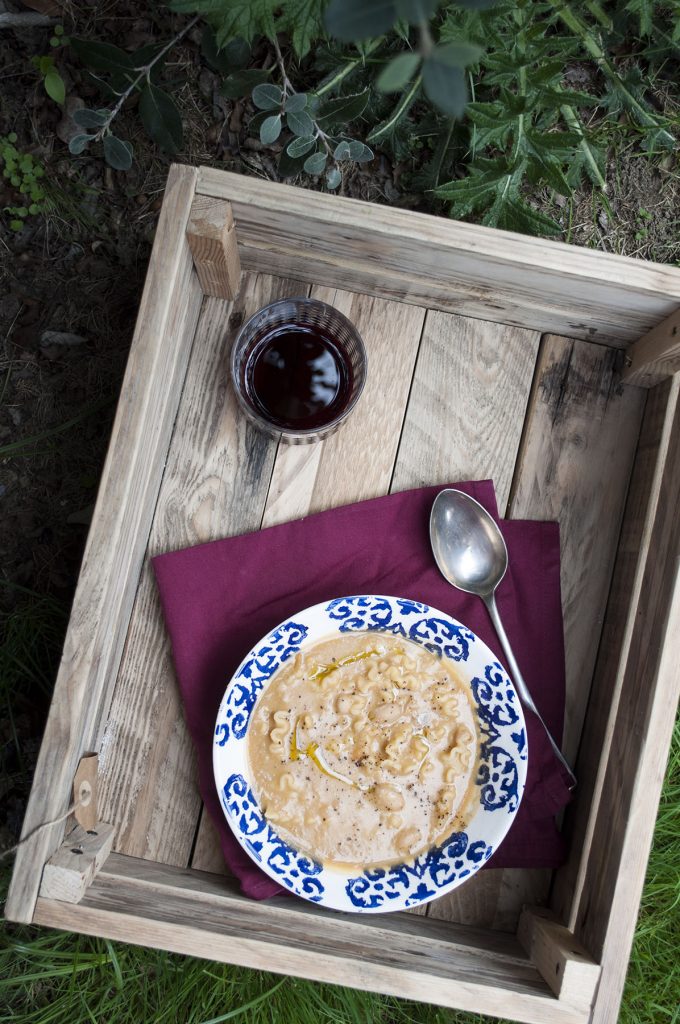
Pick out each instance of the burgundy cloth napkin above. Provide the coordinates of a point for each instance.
(220, 598)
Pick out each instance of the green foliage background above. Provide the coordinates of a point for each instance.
(508, 65)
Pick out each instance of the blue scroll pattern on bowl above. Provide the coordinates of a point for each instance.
(377, 613)
(503, 746)
(454, 860)
(266, 660)
(291, 867)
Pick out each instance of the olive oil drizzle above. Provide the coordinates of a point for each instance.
(316, 755)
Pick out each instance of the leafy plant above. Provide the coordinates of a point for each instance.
(313, 128)
(47, 69)
(126, 73)
(52, 81)
(24, 173)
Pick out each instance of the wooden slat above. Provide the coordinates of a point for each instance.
(656, 355)
(324, 946)
(73, 867)
(467, 405)
(567, 967)
(444, 264)
(215, 484)
(631, 717)
(621, 861)
(621, 611)
(117, 540)
(310, 478)
(464, 421)
(212, 239)
(577, 453)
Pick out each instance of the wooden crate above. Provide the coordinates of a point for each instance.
(546, 367)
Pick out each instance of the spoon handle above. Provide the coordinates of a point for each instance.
(523, 690)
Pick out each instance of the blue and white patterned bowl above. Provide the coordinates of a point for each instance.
(502, 766)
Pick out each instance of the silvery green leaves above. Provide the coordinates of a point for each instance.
(267, 96)
(85, 118)
(120, 74)
(79, 143)
(270, 129)
(300, 147)
(290, 113)
(117, 153)
(314, 126)
(315, 163)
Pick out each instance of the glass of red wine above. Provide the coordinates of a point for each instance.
(298, 367)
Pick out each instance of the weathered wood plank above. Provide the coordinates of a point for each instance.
(632, 713)
(656, 355)
(567, 967)
(621, 860)
(118, 535)
(310, 478)
(467, 404)
(215, 484)
(457, 428)
(621, 611)
(329, 947)
(577, 453)
(73, 867)
(212, 239)
(443, 264)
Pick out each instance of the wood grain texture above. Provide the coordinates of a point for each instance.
(621, 613)
(215, 484)
(656, 355)
(621, 860)
(85, 791)
(467, 405)
(464, 421)
(444, 264)
(575, 464)
(356, 462)
(324, 946)
(567, 967)
(118, 535)
(75, 864)
(634, 718)
(212, 239)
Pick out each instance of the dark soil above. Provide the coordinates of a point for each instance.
(79, 270)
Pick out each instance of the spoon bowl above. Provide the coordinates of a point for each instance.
(468, 547)
(471, 555)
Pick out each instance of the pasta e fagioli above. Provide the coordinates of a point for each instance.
(363, 750)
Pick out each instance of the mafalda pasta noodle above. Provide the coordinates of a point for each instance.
(363, 750)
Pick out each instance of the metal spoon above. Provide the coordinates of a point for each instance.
(471, 554)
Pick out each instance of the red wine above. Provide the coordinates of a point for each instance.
(297, 377)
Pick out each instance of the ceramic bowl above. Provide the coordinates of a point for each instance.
(502, 757)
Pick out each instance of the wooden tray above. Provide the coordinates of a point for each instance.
(491, 355)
